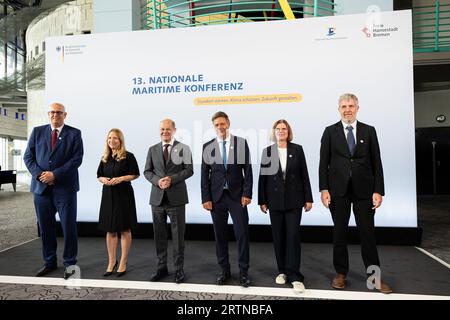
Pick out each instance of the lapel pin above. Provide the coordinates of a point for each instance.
(231, 147)
(175, 150)
(290, 156)
(361, 141)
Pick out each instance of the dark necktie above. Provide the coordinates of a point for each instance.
(54, 137)
(166, 153)
(351, 140)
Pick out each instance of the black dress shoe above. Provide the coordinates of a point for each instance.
(110, 273)
(160, 274)
(223, 277)
(179, 276)
(68, 274)
(46, 269)
(244, 280)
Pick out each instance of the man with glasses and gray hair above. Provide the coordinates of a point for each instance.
(53, 155)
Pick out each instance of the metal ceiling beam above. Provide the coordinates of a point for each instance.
(14, 101)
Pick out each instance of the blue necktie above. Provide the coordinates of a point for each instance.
(224, 154)
(224, 158)
(351, 140)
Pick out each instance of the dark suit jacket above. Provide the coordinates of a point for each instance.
(63, 161)
(336, 162)
(238, 175)
(179, 167)
(283, 194)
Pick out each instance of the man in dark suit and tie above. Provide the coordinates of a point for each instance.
(226, 186)
(169, 164)
(53, 155)
(351, 173)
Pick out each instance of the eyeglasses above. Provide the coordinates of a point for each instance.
(58, 113)
(281, 129)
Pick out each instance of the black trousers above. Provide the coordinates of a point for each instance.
(340, 208)
(286, 241)
(239, 215)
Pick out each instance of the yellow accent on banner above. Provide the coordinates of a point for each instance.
(286, 9)
(264, 98)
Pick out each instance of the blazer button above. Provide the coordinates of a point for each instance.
(351, 160)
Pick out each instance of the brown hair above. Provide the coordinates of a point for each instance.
(290, 134)
(220, 114)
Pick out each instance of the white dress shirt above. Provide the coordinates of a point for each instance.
(227, 146)
(282, 152)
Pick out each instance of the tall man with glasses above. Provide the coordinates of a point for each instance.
(53, 155)
(351, 175)
(226, 187)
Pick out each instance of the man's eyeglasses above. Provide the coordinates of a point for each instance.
(58, 113)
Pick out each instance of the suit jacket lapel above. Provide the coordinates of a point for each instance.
(216, 158)
(289, 156)
(359, 135)
(231, 157)
(48, 137)
(275, 158)
(169, 161)
(159, 155)
(341, 137)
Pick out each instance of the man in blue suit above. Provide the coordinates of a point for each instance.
(226, 185)
(53, 155)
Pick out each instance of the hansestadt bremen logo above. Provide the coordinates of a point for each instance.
(366, 32)
(379, 30)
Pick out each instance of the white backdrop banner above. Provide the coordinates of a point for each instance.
(257, 73)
